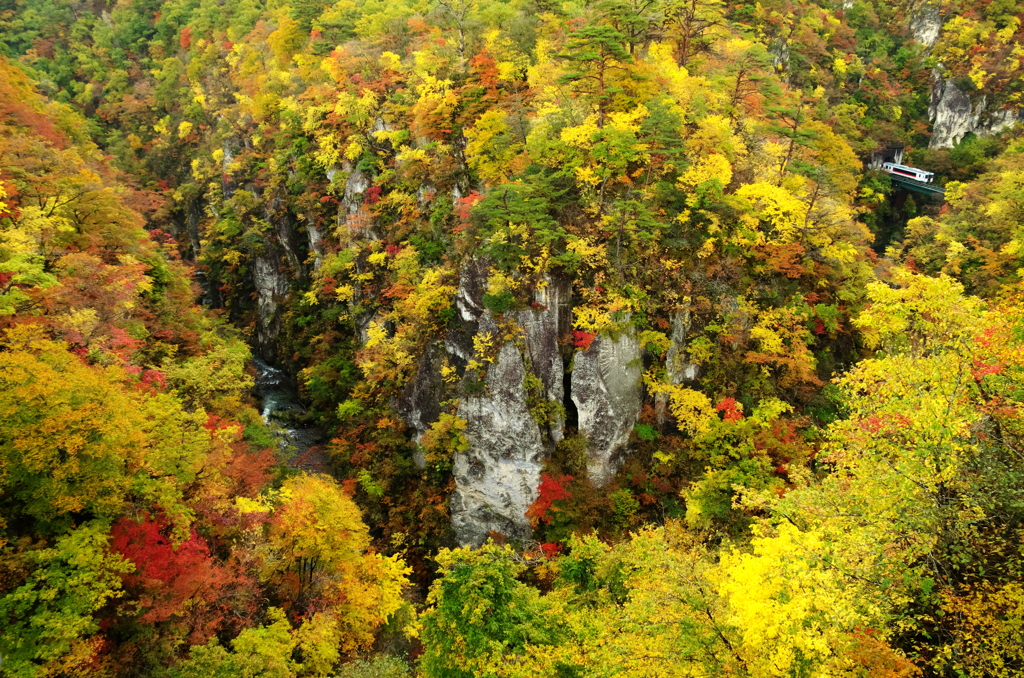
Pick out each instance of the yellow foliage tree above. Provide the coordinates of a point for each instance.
(317, 550)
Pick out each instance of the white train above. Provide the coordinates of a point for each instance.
(908, 172)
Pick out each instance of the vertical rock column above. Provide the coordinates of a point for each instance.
(316, 239)
(678, 367)
(926, 25)
(606, 392)
(271, 287)
(542, 328)
(952, 113)
(497, 478)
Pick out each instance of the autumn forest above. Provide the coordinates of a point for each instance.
(511, 338)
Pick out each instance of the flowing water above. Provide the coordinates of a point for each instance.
(282, 410)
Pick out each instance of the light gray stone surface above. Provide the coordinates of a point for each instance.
(271, 288)
(926, 25)
(606, 392)
(497, 478)
(678, 366)
(952, 113)
(356, 185)
(316, 240)
(542, 328)
(680, 369)
(955, 114)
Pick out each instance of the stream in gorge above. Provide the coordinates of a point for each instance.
(283, 411)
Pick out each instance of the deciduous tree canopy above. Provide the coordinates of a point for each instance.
(609, 346)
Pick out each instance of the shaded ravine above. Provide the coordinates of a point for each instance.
(281, 408)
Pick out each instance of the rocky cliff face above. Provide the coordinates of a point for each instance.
(954, 114)
(275, 263)
(926, 25)
(271, 288)
(316, 244)
(677, 363)
(420, 405)
(283, 257)
(512, 423)
(355, 187)
(606, 392)
(952, 111)
(542, 327)
(516, 417)
(497, 478)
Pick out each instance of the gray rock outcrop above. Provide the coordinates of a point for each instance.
(420, 404)
(926, 25)
(271, 288)
(678, 366)
(497, 478)
(606, 392)
(542, 327)
(954, 110)
(316, 244)
(954, 114)
(677, 363)
(355, 187)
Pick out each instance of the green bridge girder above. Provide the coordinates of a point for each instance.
(917, 186)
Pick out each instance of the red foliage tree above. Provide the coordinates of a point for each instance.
(550, 490)
(730, 410)
(182, 584)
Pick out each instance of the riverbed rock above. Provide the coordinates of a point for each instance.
(606, 392)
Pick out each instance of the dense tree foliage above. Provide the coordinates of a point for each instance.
(907, 547)
(824, 474)
(142, 511)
